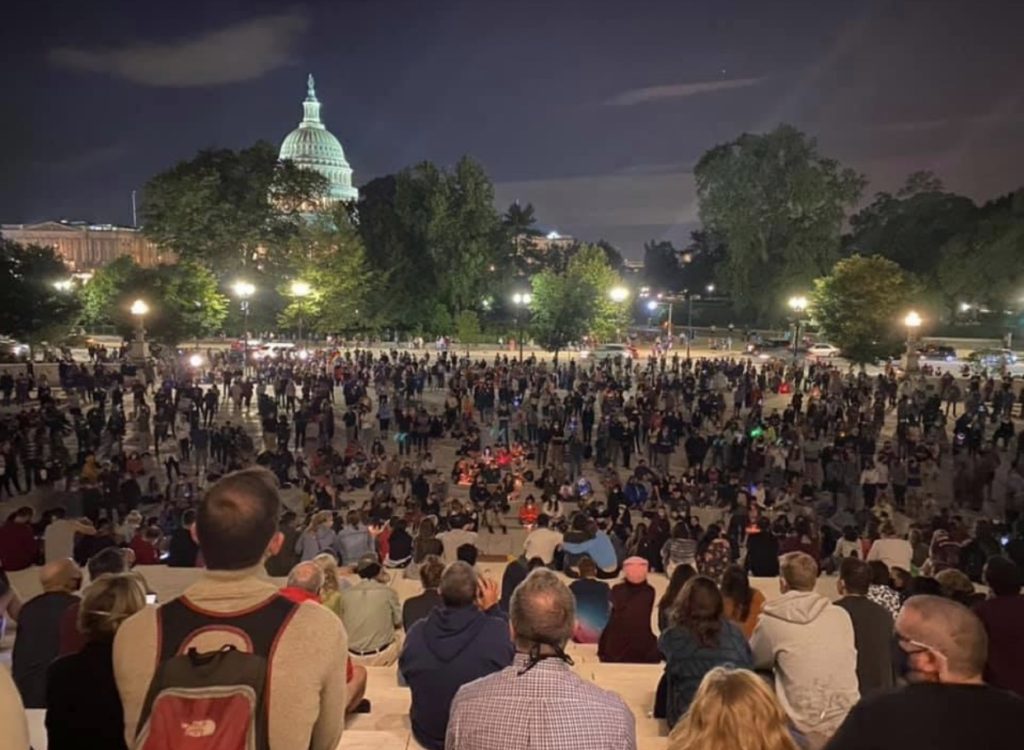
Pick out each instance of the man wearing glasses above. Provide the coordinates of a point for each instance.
(940, 650)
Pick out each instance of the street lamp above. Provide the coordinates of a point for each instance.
(618, 293)
(912, 321)
(710, 288)
(244, 290)
(798, 304)
(301, 289)
(63, 285)
(521, 300)
(138, 350)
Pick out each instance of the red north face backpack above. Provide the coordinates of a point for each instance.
(214, 700)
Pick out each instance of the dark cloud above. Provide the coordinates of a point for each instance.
(240, 52)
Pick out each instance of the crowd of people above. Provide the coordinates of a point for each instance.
(709, 472)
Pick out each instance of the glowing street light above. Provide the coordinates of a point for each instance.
(301, 290)
(244, 290)
(138, 349)
(710, 288)
(63, 285)
(912, 321)
(618, 293)
(195, 361)
(798, 304)
(139, 309)
(652, 305)
(521, 300)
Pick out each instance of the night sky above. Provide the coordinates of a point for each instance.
(594, 111)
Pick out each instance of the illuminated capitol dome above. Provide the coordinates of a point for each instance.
(312, 146)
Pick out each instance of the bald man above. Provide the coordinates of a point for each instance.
(38, 641)
(941, 652)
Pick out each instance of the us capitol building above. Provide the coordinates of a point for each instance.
(86, 246)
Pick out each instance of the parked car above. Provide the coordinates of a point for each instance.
(822, 349)
(937, 352)
(609, 351)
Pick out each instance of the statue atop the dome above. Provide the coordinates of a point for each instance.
(310, 87)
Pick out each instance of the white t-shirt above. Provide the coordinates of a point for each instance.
(59, 540)
(452, 540)
(542, 543)
(896, 553)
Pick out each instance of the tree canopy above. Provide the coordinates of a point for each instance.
(32, 308)
(568, 306)
(436, 239)
(911, 227)
(184, 299)
(778, 205)
(226, 209)
(859, 304)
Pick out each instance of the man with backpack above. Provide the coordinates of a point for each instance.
(236, 665)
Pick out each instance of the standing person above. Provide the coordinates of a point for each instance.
(872, 626)
(699, 639)
(18, 546)
(463, 640)
(628, 636)
(304, 647)
(93, 717)
(1003, 618)
(946, 705)
(807, 641)
(539, 703)
(38, 641)
(733, 708)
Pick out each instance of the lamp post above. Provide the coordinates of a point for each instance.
(300, 290)
(244, 291)
(618, 295)
(521, 300)
(798, 305)
(912, 321)
(654, 304)
(138, 350)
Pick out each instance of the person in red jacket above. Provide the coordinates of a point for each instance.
(145, 546)
(529, 513)
(18, 546)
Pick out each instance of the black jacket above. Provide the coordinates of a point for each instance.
(83, 707)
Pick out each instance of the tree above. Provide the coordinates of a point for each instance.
(778, 205)
(661, 266)
(911, 227)
(519, 219)
(184, 299)
(568, 306)
(32, 308)
(982, 264)
(327, 253)
(435, 238)
(467, 326)
(229, 210)
(858, 306)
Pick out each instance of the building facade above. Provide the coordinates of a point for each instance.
(86, 247)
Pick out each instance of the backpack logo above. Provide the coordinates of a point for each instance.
(203, 728)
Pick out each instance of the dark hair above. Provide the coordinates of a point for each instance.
(431, 570)
(108, 560)
(237, 518)
(736, 588)
(699, 608)
(679, 531)
(856, 575)
(543, 520)
(880, 573)
(923, 585)
(850, 533)
(188, 517)
(680, 576)
(467, 553)
(587, 567)
(1002, 576)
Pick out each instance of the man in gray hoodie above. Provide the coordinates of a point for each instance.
(808, 643)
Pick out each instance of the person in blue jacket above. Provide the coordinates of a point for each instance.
(466, 638)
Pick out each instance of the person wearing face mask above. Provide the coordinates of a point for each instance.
(941, 649)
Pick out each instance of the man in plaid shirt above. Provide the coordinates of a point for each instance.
(539, 703)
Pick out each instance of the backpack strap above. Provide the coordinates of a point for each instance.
(180, 620)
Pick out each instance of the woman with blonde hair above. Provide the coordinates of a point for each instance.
(79, 716)
(330, 594)
(733, 709)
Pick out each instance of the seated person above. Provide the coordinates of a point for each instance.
(628, 636)
(593, 603)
